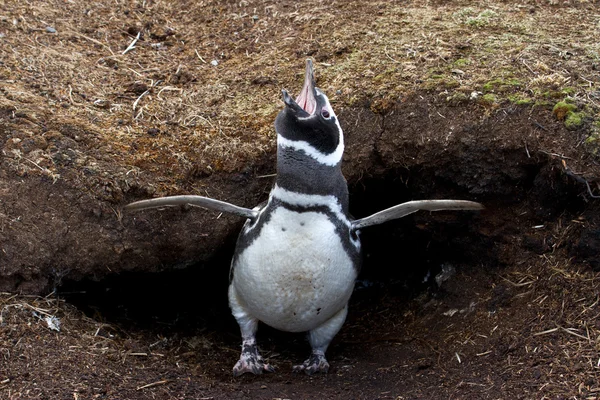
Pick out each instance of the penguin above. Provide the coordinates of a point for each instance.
(298, 255)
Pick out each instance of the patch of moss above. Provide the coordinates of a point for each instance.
(574, 120)
(520, 101)
(440, 82)
(489, 99)
(592, 142)
(461, 62)
(487, 14)
(562, 109)
(592, 139)
(501, 85)
(482, 19)
(552, 94)
(568, 91)
(542, 103)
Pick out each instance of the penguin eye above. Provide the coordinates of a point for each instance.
(325, 113)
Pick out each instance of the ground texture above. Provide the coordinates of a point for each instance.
(110, 102)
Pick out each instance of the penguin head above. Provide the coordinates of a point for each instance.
(309, 123)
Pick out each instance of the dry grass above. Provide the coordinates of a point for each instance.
(564, 335)
(136, 83)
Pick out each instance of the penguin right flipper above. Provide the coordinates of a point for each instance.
(200, 201)
(404, 209)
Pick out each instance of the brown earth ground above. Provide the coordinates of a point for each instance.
(114, 101)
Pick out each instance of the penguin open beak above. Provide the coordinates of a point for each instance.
(306, 100)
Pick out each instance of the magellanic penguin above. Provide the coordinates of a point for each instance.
(298, 255)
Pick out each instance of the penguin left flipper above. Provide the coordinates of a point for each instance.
(200, 201)
(404, 209)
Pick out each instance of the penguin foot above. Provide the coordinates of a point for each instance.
(316, 363)
(251, 361)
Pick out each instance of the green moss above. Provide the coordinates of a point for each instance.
(461, 62)
(476, 22)
(562, 109)
(488, 14)
(482, 19)
(568, 91)
(592, 142)
(569, 113)
(501, 85)
(542, 104)
(488, 87)
(566, 105)
(450, 83)
(552, 94)
(437, 81)
(489, 98)
(574, 120)
(519, 100)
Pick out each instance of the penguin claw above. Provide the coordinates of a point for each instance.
(251, 361)
(316, 363)
(256, 368)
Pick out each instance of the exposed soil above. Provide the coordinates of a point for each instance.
(496, 103)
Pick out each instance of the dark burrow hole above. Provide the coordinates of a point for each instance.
(403, 259)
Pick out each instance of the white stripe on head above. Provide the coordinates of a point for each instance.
(311, 200)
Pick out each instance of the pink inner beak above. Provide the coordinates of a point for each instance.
(306, 98)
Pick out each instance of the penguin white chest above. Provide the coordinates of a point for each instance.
(296, 274)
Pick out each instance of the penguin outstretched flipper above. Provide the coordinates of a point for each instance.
(404, 209)
(200, 201)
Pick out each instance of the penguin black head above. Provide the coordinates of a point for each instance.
(309, 123)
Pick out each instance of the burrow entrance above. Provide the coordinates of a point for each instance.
(404, 259)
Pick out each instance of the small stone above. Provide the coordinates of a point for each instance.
(102, 103)
(214, 63)
(50, 29)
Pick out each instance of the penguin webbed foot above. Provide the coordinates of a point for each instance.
(251, 361)
(315, 363)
